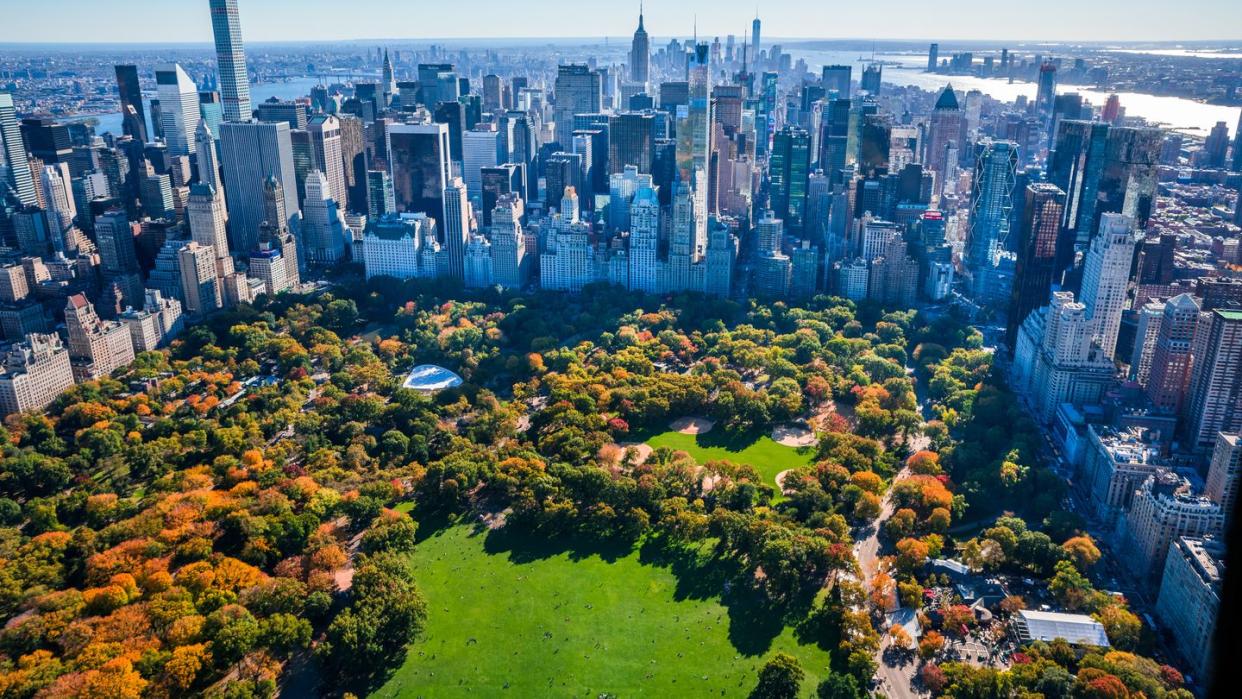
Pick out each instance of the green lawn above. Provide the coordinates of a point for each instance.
(768, 457)
(523, 619)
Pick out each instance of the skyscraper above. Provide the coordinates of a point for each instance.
(133, 116)
(251, 152)
(946, 131)
(418, 161)
(389, 81)
(178, 108)
(631, 141)
(1237, 155)
(578, 91)
(1171, 359)
(208, 158)
(1216, 146)
(694, 133)
(1047, 89)
(1106, 277)
(1037, 248)
(755, 28)
(789, 172)
(456, 226)
(871, 78)
(231, 60)
(1214, 401)
(933, 54)
(837, 77)
(325, 141)
(640, 53)
(323, 226)
(991, 201)
(205, 214)
(14, 171)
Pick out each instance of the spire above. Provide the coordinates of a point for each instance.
(640, 15)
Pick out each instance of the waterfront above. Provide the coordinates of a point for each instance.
(1184, 115)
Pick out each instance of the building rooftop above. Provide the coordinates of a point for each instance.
(1078, 629)
(430, 378)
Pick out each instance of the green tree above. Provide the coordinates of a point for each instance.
(780, 678)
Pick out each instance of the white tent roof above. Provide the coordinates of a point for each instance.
(1078, 629)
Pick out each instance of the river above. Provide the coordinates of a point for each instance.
(1187, 116)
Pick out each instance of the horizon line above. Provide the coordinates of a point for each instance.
(770, 42)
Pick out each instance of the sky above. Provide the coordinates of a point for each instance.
(162, 21)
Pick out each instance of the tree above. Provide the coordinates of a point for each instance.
(1082, 550)
(958, 618)
(900, 637)
(930, 645)
(838, 686)
(933, 678)
(1124, 629)
(385, 614)
(285, 633)
(391, 531)
(1070, 587)
(1105, 687)
(780, 678)
(233, 631)
(911, 555)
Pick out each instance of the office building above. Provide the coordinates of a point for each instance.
(1106, 278)
(14, 172)
(231, 60)
(578, 91)
(456, 226)
(133, 115)
(481, 147)
(324, 234)
(946, 136)
(381, 200)
(640, 54)
(326, 154)
(418, 156)
(34, 374)
(631, 141)
(1039, 228)
(250, 153)
(179, 113)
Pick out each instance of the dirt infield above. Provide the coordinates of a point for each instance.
(692, 425)
(791, 436)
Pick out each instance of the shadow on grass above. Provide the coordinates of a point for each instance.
(755, 621)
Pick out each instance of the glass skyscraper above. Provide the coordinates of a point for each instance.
(231, 60)
(133, 116)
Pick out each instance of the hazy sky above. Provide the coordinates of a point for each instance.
(291, 20)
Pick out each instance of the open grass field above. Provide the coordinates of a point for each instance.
(768, 457)
(508, 616)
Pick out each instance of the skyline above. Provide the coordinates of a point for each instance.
(91, 21)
